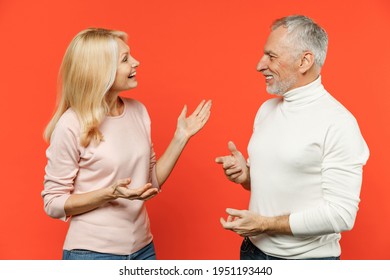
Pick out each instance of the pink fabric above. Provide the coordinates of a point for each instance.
(120, 226)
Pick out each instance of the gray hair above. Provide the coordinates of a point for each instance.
(305, 35)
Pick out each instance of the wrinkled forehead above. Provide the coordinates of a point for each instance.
(277, 41)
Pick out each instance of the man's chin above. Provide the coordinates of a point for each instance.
(273, 91)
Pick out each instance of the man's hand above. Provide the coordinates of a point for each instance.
(234, 166)
(243, 222)
(247, 223)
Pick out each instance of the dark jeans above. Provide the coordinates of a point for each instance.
(249, 251)
(146, 253)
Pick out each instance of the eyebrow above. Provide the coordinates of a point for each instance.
(269, 52)
(127, 52)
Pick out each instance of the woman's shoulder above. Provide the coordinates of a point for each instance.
(136, 109)
(133, 105)
(69, 120)
(132, 102)
(67, 128)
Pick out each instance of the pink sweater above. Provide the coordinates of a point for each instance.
(118, 227)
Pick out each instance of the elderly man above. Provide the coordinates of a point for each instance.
(306, 155)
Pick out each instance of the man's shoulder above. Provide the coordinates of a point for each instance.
(335, 109)
(272, 101)
(269, 104)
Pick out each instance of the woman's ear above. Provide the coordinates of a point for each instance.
(307, 61)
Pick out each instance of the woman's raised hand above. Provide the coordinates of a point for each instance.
(189, 126)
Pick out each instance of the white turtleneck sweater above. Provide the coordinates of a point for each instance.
(306, 156)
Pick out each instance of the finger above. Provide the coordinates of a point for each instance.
(226, 224)
(121, 183)
(139, 191)
(230, 219)
(221, 160)
(148, 187)
(232, 148)
(235, 212)
(144, 187)
(183, 112)
(149, 197)
(204, 117)
(142, 192)
(230, 163)
(199, 108)
(120, 191)
(233, 171)
(124, 182)
(149, 194)
(235, 176)
(153, 192)
(205, 110)
(226, 161)
(223, 222)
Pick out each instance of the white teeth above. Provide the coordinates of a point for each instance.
(132, 75)
(268, 77)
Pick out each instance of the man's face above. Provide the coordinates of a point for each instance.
(279, 63)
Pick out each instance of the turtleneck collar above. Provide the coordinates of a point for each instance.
(305, 94)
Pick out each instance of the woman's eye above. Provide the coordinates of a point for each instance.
(124, 59)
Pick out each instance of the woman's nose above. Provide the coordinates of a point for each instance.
(134, 63)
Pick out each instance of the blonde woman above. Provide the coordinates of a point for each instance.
(101, 164)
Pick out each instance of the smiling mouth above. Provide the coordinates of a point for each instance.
(132, 75)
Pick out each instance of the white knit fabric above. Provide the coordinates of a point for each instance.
(306, 156)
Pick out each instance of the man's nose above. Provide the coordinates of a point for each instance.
(262, 65)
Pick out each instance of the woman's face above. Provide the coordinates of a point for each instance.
(125, 78)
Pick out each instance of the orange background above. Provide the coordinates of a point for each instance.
(189, 50)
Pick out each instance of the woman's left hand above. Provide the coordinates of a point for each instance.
(189, 126)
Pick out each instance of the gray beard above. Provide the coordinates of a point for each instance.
(281, 87)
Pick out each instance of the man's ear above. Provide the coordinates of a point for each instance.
(307, 62)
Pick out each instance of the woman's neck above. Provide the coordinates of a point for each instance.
(115, 106)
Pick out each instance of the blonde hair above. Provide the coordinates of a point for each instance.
(86, 74)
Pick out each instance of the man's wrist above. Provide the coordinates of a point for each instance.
(277, 225)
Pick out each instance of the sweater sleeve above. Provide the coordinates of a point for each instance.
(61, 169)
(153, 159)
(345, 153)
